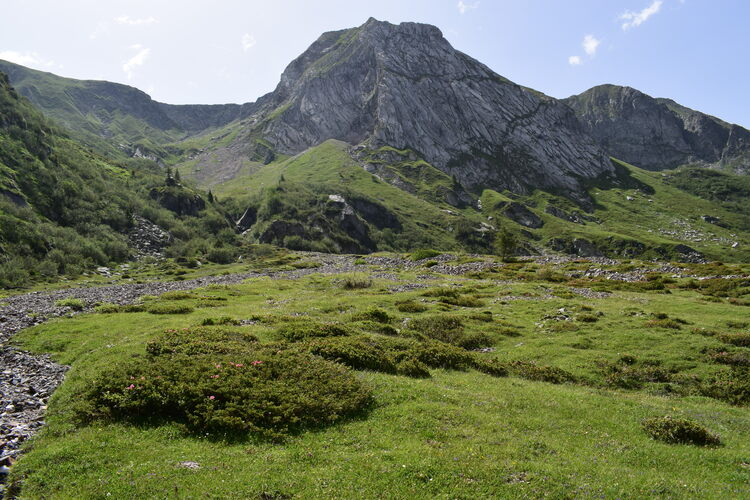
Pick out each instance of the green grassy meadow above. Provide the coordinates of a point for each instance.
(635, 352)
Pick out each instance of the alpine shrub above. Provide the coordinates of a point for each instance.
(679, 431)
(265, 394)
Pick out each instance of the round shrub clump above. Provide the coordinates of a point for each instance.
(412, 367)
(268, 394)
(299, 330)
(202, 340)
(168, 308)
(411, 306)
(679, 431)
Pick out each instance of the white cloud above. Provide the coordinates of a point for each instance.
(590, 44)
(101, 29)
(25, 58)
(137, 60)
(135, 22)
(248, 42)
(463, 7)
(633, 19)
(575, 60)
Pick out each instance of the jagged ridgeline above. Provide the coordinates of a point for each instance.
(64, 209)
(659, 134)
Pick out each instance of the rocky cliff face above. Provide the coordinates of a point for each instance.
(405, 86)
(658, 133)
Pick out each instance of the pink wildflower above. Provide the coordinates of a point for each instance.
(239, 365)
(218, 365)
(256, 362)
(214, 376)
(212, 398)
(130, 387)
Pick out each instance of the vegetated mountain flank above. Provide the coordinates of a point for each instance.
(65, 209)
(659, 134)
(404, 86)
(114, 119)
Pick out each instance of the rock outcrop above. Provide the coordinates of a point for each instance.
(405, 86)
(658, 133)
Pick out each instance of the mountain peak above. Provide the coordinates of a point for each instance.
(405, 86)
(658, 133)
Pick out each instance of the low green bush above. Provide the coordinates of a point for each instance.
(548, 274)
(474, 340)
(491, 367)
(373, 314)
(222, 320)
(628, 373)
(423, 253)
(679, 431)
(108, 308)
(733, 358)
(133, 308)
(360, 353)
(412, 367)
(736, 324)
(356, 281)
(300, 330)
(168, 308)
(374, 327)
(463, 301)
(441, 355)
(75, 304)
(738, 339)
(587, 318)
(265, 394)
(411, 306)
(531, 371)
(732, 386)
(444, 293)
(202, 340)
(664, 323)
(484, 317)
(176, 295)
(438, 326)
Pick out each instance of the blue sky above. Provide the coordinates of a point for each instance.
(195, 51)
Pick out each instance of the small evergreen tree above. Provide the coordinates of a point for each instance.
(506, 244)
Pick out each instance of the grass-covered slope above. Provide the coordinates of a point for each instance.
(644, 214)
(115, 120)
(298, 190)
(562, 405)
(64, 209)
(650, 216)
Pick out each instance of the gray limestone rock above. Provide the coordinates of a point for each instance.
(657, 133)
(405, 86)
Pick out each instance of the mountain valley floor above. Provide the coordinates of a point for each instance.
(430, 375)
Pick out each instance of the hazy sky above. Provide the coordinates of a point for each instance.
(193, 51)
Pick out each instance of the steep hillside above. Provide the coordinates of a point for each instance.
(64, 209)
(659, 134)
(301, 202)
(115, 119)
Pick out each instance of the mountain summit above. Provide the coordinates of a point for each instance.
(404, 86)
(658, 134)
